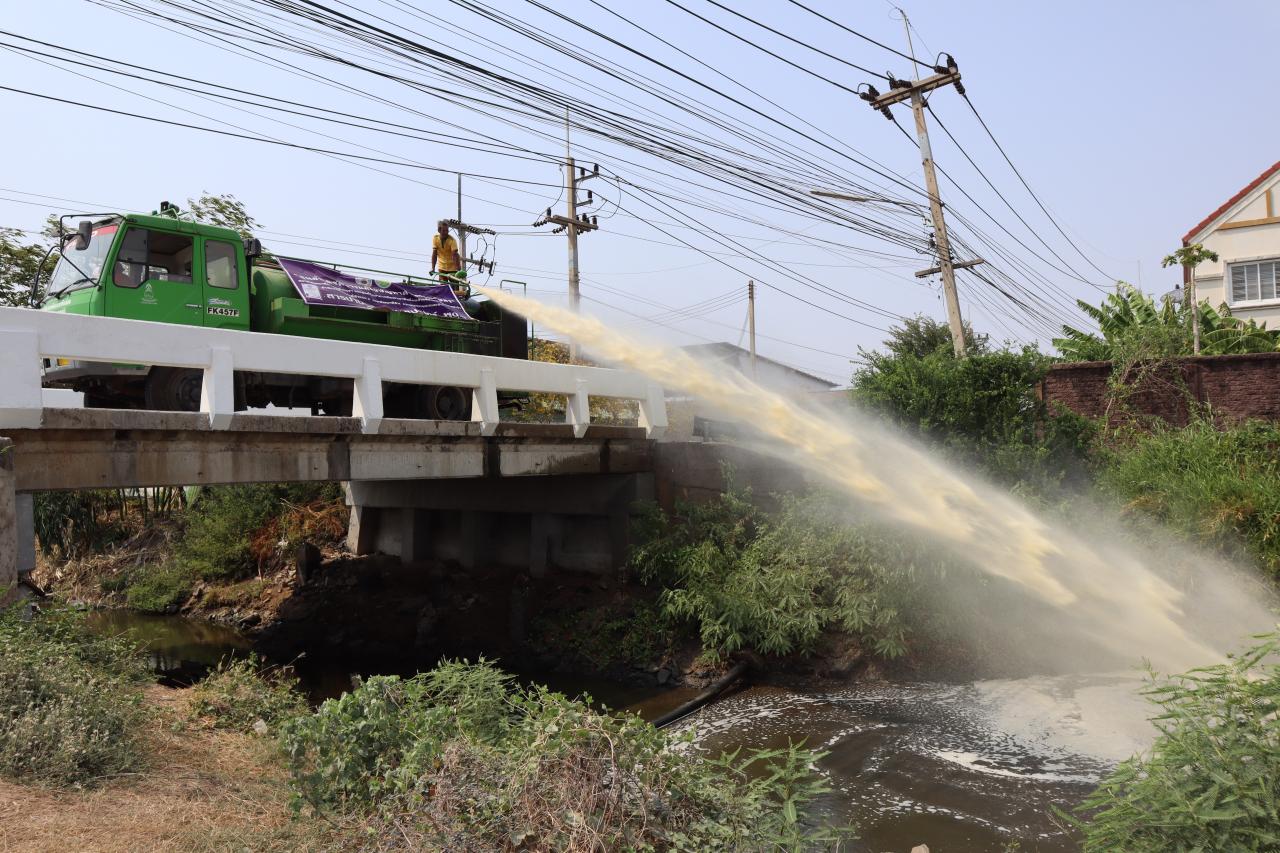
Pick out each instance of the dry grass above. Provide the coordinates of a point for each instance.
(204, 791)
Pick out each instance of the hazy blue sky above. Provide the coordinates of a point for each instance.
(1132, 120)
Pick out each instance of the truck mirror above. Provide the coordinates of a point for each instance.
(84, 233)
(252, 247)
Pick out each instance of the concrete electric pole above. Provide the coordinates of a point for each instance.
(913, 91)
(463, 230)
(751, 324)
(572, 222)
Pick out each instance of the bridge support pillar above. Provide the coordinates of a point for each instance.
(9, 538)
(362, 530)
(415, 534)
(542, 543)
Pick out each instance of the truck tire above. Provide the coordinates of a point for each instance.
(173, 389)
(448, 403)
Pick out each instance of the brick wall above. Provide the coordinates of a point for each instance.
(1237, 387)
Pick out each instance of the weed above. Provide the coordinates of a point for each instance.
(239, 693)
(217, 544)
(462, 758)
(1218, 486)
(1212, 779)
(69, 702)
(158, 588)
(775, 584)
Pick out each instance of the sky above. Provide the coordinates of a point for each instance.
(1131, 121)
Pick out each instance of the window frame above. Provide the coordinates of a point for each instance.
(1259, 264)
(146, 276)
(235, 264)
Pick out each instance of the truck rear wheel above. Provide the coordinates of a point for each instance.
(173, 389)
(448, 403)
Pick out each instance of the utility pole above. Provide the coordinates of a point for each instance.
(462, 235)
(751, 323)
(572, 222)
(903, 90)
(463, 230)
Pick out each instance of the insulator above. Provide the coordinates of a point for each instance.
(595, 220)
(595, 169)
(590, 197)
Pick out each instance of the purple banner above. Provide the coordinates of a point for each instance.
(324, 286)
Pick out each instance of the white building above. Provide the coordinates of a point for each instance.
(1245, 232)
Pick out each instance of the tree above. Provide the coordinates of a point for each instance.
(224, 210)
(1132, 327)
(920, 336)
(1190, 257)
(19, 261)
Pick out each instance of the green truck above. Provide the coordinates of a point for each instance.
(164, 268)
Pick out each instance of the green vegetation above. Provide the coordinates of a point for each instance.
(982, 410)
(240, 693)
(1132, 326)
(216, 544)
(227, 536)
(1212, 780)
(1220, 487)
(69, 701)
(774, 584)
(461, 757)
(632, 633)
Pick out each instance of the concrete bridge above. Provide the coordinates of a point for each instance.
(561, 491)
(535, 496)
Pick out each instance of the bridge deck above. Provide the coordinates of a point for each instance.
(105, 448)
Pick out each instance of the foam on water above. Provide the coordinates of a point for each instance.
(1107, 592)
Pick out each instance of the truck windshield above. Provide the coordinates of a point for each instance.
(81, 268)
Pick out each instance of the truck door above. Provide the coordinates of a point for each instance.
(226, 295)
(151, 278)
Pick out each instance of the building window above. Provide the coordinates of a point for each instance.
(1254, 282)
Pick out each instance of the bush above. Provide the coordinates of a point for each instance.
(1212, 780)
(774, 585)
(1221, 487)
(239, 693)
(158, 588)
(216, 545)
(461, 758)
(983, 410)
(69, 703)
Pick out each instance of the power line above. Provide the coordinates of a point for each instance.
(1030, 191)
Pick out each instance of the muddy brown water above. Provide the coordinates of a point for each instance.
(963, 768)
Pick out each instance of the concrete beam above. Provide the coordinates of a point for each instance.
(98, 448)
(597, 494)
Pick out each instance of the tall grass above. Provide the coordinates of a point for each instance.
(1220, 487)
(69, 701)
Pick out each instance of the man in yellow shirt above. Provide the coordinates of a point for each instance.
(444, 253)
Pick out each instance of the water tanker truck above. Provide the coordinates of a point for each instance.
(167, 269)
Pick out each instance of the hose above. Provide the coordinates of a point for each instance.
(730, 678)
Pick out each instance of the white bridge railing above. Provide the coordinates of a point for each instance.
(27, 336)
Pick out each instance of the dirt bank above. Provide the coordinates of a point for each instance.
(203, 790)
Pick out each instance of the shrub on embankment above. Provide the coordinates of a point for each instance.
(227, 534)
(1211, 781)
(1220, 487)
(776, 583)
(463, 758)
(69, 701)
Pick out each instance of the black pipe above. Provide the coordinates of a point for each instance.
(731, 678)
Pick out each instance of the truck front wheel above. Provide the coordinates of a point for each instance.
(173, 389)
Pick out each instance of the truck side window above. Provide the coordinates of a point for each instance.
(147, 255)
(131, 263)
(220, 264)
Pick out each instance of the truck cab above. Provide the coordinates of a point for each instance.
(166, 269)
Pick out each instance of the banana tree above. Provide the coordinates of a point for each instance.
(1130, 320)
